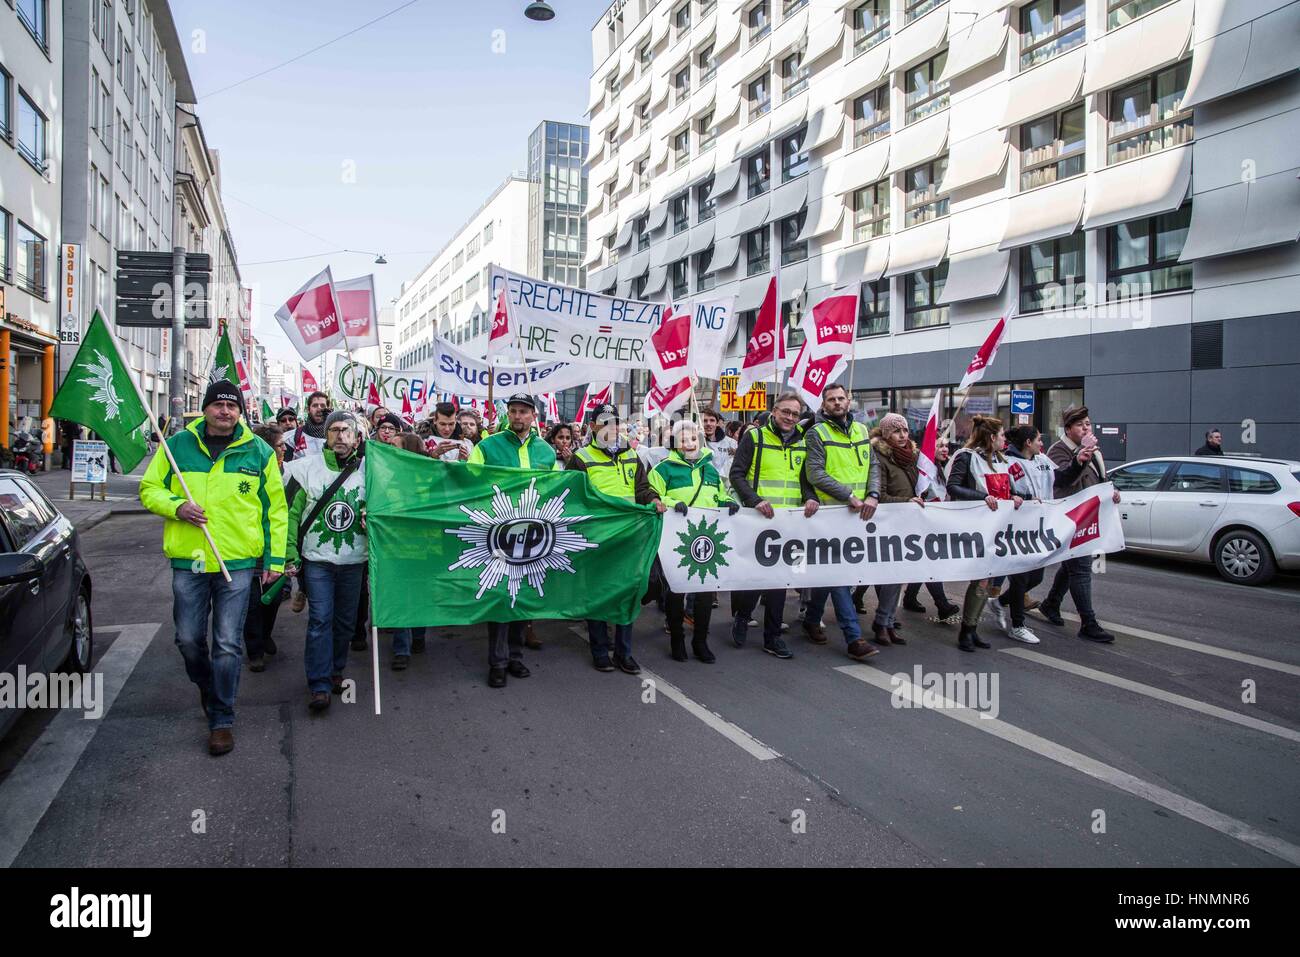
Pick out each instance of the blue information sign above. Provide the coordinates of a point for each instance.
(1022, 401)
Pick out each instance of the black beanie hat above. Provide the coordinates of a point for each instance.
(394, 421)
(223, 390)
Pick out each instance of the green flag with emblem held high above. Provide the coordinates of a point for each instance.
(267, 414)
(223, 362)
(98, 392)
(456, 544)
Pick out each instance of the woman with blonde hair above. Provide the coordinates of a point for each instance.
(980, 472)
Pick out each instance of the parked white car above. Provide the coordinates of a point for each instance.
(1241, 514)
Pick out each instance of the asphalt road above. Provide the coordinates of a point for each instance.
(1142, 753)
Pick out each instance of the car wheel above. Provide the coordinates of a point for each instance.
(1243, 557)
(83, 637)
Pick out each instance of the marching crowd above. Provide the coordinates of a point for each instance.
(284, 503)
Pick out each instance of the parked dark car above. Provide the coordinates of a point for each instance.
(45, 622)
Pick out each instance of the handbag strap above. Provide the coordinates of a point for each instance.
(324, 500)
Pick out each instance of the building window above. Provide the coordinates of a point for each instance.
(643, 116)
(790, 6)
(681, 284)
(33, 14)
(6, 127)
(638, 287)
(708, 132)
(871, 211)
(682, 84)
(706, 205)
(794, 76)
(707, 7)
(705, 278)
(642, 230)
(759, 19)
(794, 158)
(915, 9)
(924, 288)
(792, 322)
(873, 309)
(1049, 28)
(31, 260)
(922, 182)
(646, 56)
(793, 249)
(1052, 148)
(1120, 12)
(682, 147)
(708, 64)
(31, 132)
(757, 259)
(758, 173)
(5, 220)
(926, 93)
(682, 21)
(871, 116)
(1052, 274)
(1147, 116)
(681, 216)
(487, 234)
(639, 173)
(870, 25)
(759, 95)
(1142, 256)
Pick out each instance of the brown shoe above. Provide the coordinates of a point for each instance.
(320, 700)
(221, 741)
(860, 650)
(881, 638)
(530, 638)
(1030, 602)
(814, 632)
(299, 600)
(894, 637)
(336, 684)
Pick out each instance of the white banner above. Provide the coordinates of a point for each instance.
(709, 550)
(714, 326)
(70, 294)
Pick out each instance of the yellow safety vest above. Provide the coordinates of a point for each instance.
(848, 459)
(613, 476)
(775, 469)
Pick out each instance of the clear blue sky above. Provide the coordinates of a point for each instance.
(431, 117)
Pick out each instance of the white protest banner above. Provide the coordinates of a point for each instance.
(714, 326)
(709, 550)
(567, 324)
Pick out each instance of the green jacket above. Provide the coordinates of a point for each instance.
(504, 448)
(696, 483)
(241, 493)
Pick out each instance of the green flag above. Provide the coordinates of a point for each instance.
(267, 414)
(97, 392)
(223, 362)
(454, 544)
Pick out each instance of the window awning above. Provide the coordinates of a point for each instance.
(595, 149)
(729, 15)
(594, 252)
(624, 177)
(1240, 56)
(824, 36)
(677, 245)
(659, 255)
(975, 42)
(791, 32)
(754, 59)
(789, 116)
(701, 168)
(655, 280)
(1142, 187)
(915, 144)
(753, 214)
(705, 31)
(725, 251)
(637, 91)
(788, 199)
(627, 59)
(794, 280)
(702, 101)
(701, 237)
(862, 166)
(753, 136)
(658, 216)
(666, 187)
(864, 262)
(1244, 216)
(979, 157)
(751, 292)
(1049, 212)
(864, 71)
(726, 178)
(599, 280)
(624, 289)
(601, 173)
(598, 227)
(626, 117)
(824, 216)
(658, 90)
(1146, 44)
(825, 115)
(1045, 88)
(633, 267)
(658, 151)
(639, 145)
(921, 38)
(624, 235)
(595, 199)
(726, 102)
(662, 21)
(921, 247)
(976, 274)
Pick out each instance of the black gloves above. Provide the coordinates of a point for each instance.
(733, 508)
(680, 508)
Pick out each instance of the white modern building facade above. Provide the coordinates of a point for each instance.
(1118, 176)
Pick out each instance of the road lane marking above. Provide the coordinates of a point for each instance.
(1183, 806)
(1153, 692)
(1202, 647)
(733, 733)
(32, 786)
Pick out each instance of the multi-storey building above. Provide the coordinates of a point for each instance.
(1119, 176)
(557, 197)
(31, 143)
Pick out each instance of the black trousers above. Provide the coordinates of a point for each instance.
(743, 604)
(675, 607)
(1014, 595)
(260, 620)
(505, 642)
(363, 612)
(939, 596)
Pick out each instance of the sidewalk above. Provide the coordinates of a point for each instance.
(123, 496)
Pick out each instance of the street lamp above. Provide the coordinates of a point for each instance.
(380, 260)
(539, 11)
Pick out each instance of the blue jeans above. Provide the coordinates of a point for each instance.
(332, 595)
(841, 597)
(598, 635)
(402, 639)
(194, 597)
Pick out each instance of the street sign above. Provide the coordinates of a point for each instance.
(755, 400)
(143, 287)
(140, 313)
(1022, 401)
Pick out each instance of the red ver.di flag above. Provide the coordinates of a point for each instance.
(310, 317)
(810, 376)
(766, 347)
(671, 346)
(984, 358)
(666, 401)
(308, 382)
(503, 337)
(356, 299)
(834, 321)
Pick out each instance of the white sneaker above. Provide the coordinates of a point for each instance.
(1022, 634)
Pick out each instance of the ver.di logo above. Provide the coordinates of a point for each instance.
(519, 542)
(702, 547)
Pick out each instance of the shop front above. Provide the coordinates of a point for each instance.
(27, 358)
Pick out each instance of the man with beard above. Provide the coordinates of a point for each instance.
(309, 437)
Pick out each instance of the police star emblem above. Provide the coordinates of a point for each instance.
(519, 542)
(702, 547)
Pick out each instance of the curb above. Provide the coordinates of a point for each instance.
(86, 524)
